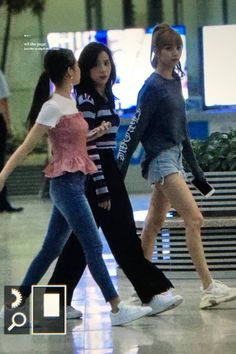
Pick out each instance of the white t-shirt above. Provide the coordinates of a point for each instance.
(55, 108)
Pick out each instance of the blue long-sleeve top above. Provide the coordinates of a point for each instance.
(159, 123)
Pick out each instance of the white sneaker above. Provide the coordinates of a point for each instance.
(134, 299)
(128, 313)
(72, 313)
(164, 302)
(216, 293)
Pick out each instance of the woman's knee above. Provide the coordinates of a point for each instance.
(94, 251)
(153, 224)
(50, 253)
(195, 221)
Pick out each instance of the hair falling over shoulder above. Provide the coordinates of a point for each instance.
(56, 64)
(41, 95)
(87, 60)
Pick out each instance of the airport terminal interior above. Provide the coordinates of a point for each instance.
(183, 330)
(208, 32)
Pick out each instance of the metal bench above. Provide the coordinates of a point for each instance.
(218, 231)
(223, 201)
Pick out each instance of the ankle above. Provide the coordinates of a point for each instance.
(207, 284)
(114, 304)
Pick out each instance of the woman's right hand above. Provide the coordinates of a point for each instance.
(105, 205)
(2, 183)
(103, 127)
(99, 131)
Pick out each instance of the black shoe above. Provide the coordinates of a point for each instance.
(10, 209)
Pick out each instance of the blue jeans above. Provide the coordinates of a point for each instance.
(165, 163)
(71, 212)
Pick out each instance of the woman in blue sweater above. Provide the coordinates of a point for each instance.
(160, 124)
(107, 195)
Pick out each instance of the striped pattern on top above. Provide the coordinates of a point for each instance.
(94, 116)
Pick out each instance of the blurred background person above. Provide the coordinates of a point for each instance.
(5, 133)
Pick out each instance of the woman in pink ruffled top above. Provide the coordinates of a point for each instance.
(68, 133)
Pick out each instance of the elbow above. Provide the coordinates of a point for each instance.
(25, 150)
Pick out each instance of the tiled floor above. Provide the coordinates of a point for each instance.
(185, 330)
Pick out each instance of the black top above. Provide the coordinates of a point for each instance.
(95, 110)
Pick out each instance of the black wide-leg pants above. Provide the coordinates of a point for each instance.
(119, 229)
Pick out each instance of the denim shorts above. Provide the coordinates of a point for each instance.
(165, 163)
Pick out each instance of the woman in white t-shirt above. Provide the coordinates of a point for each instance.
(68, 134)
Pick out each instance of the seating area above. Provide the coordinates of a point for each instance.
(223, 201)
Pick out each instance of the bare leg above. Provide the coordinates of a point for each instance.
(177, 192)
(158, 208)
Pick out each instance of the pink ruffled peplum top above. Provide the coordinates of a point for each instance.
(68, 137)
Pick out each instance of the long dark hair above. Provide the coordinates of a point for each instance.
(163, 35)
(87, 61)
(56, 63)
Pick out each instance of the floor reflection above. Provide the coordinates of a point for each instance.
(185, 330)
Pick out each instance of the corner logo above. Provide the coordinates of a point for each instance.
(18, 298)
(46, 315)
